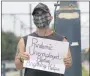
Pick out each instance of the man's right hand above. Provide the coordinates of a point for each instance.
(25, 56)
(21, 55)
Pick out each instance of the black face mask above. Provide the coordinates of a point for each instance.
(42, 19)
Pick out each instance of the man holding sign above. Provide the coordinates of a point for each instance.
(43, 53)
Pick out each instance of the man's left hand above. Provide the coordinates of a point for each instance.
(67, 61)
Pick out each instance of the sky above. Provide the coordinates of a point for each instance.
(22, 9)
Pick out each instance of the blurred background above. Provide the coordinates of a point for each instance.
(17, 22)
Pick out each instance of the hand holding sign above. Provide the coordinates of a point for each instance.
(67, 61)
(24, 56)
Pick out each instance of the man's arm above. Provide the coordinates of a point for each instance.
(20, 49)
(68, 57)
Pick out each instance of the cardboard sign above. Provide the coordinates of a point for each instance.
(46, 54)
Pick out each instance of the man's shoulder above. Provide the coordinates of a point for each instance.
(31, 34)
(59, 36)
(26, 36)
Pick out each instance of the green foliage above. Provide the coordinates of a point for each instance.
(8, 45)
(84, 72)
(85, 55)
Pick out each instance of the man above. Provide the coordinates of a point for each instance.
(42, 19)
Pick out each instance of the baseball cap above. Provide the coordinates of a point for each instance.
(42, 7)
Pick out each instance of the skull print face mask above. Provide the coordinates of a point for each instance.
(41, 19)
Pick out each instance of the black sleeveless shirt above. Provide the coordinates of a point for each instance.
(34, 72)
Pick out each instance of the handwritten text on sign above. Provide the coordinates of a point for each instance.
(46, 54)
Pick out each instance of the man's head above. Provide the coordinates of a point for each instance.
(41, 16)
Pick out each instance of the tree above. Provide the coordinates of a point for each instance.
(8, 45)
(85, 55)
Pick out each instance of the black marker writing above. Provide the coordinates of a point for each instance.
(43, 59)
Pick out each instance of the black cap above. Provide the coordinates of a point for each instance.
(42, 7)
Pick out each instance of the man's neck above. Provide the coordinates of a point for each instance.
(44, 32)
